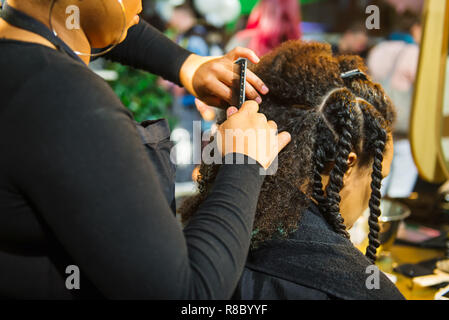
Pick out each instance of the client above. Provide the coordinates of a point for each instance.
(341, 148)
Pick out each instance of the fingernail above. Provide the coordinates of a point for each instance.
(231, 111)
(259, 100)
(265, 89)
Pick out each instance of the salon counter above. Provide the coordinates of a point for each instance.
(400, 254)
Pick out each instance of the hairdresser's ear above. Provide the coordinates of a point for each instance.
(352, 160)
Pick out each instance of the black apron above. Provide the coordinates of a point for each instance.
(155, 135)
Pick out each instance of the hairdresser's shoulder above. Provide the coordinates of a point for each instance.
(65, 75)
(52, 81)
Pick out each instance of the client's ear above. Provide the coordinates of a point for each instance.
(352, 160)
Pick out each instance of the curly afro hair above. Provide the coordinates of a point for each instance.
(328, 117)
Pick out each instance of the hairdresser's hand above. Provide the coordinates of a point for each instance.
(248, 132)
(210, 78)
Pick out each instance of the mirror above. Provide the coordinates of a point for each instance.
(445, 120)
(427, 124)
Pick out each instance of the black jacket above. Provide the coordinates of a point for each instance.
(314, 263)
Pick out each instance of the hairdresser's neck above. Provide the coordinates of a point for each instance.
(75, 39)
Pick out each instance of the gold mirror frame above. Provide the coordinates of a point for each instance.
(426, 118)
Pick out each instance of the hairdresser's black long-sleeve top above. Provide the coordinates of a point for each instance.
(76, 187)
(148, 49)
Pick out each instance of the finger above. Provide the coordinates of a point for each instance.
(256, 82)
(221, 91)
(273, 125)
(216, 102)
(231, 111)
(200, 105)
(252, 94)
(240, 52)
(284, 138)
(250, 106)
(208, 114)
(262, 117)
(228, 77)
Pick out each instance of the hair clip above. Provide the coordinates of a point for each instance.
(353, 73)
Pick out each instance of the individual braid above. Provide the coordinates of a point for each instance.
(324, 153)
(318, 192)
(340, 106)
(374, 201)
(366, 89)
(378, 145)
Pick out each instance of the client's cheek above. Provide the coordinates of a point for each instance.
(363, 193)
(366, 195)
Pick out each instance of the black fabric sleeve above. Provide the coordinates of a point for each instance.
(83, 168)
(148, 49)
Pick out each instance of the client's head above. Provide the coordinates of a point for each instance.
(341, 144)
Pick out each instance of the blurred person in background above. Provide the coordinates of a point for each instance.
(270, 23)
(190, 34)
(402, 6)
(353, 41)
(393, 63)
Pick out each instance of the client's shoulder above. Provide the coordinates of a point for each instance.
(254, 285)
(317, 257)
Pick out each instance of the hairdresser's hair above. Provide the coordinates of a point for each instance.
(328, 117)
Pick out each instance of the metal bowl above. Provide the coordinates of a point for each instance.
(393, 212)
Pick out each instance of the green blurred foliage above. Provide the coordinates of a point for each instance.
(140, 93)
(248, 5)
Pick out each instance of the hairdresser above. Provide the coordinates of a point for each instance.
(86, 195)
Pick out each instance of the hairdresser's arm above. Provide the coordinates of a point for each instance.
(148, 49)
(93, 185)
(207, 78)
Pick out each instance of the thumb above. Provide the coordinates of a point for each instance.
(284, 138)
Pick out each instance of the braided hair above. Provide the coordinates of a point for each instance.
(328, 117)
